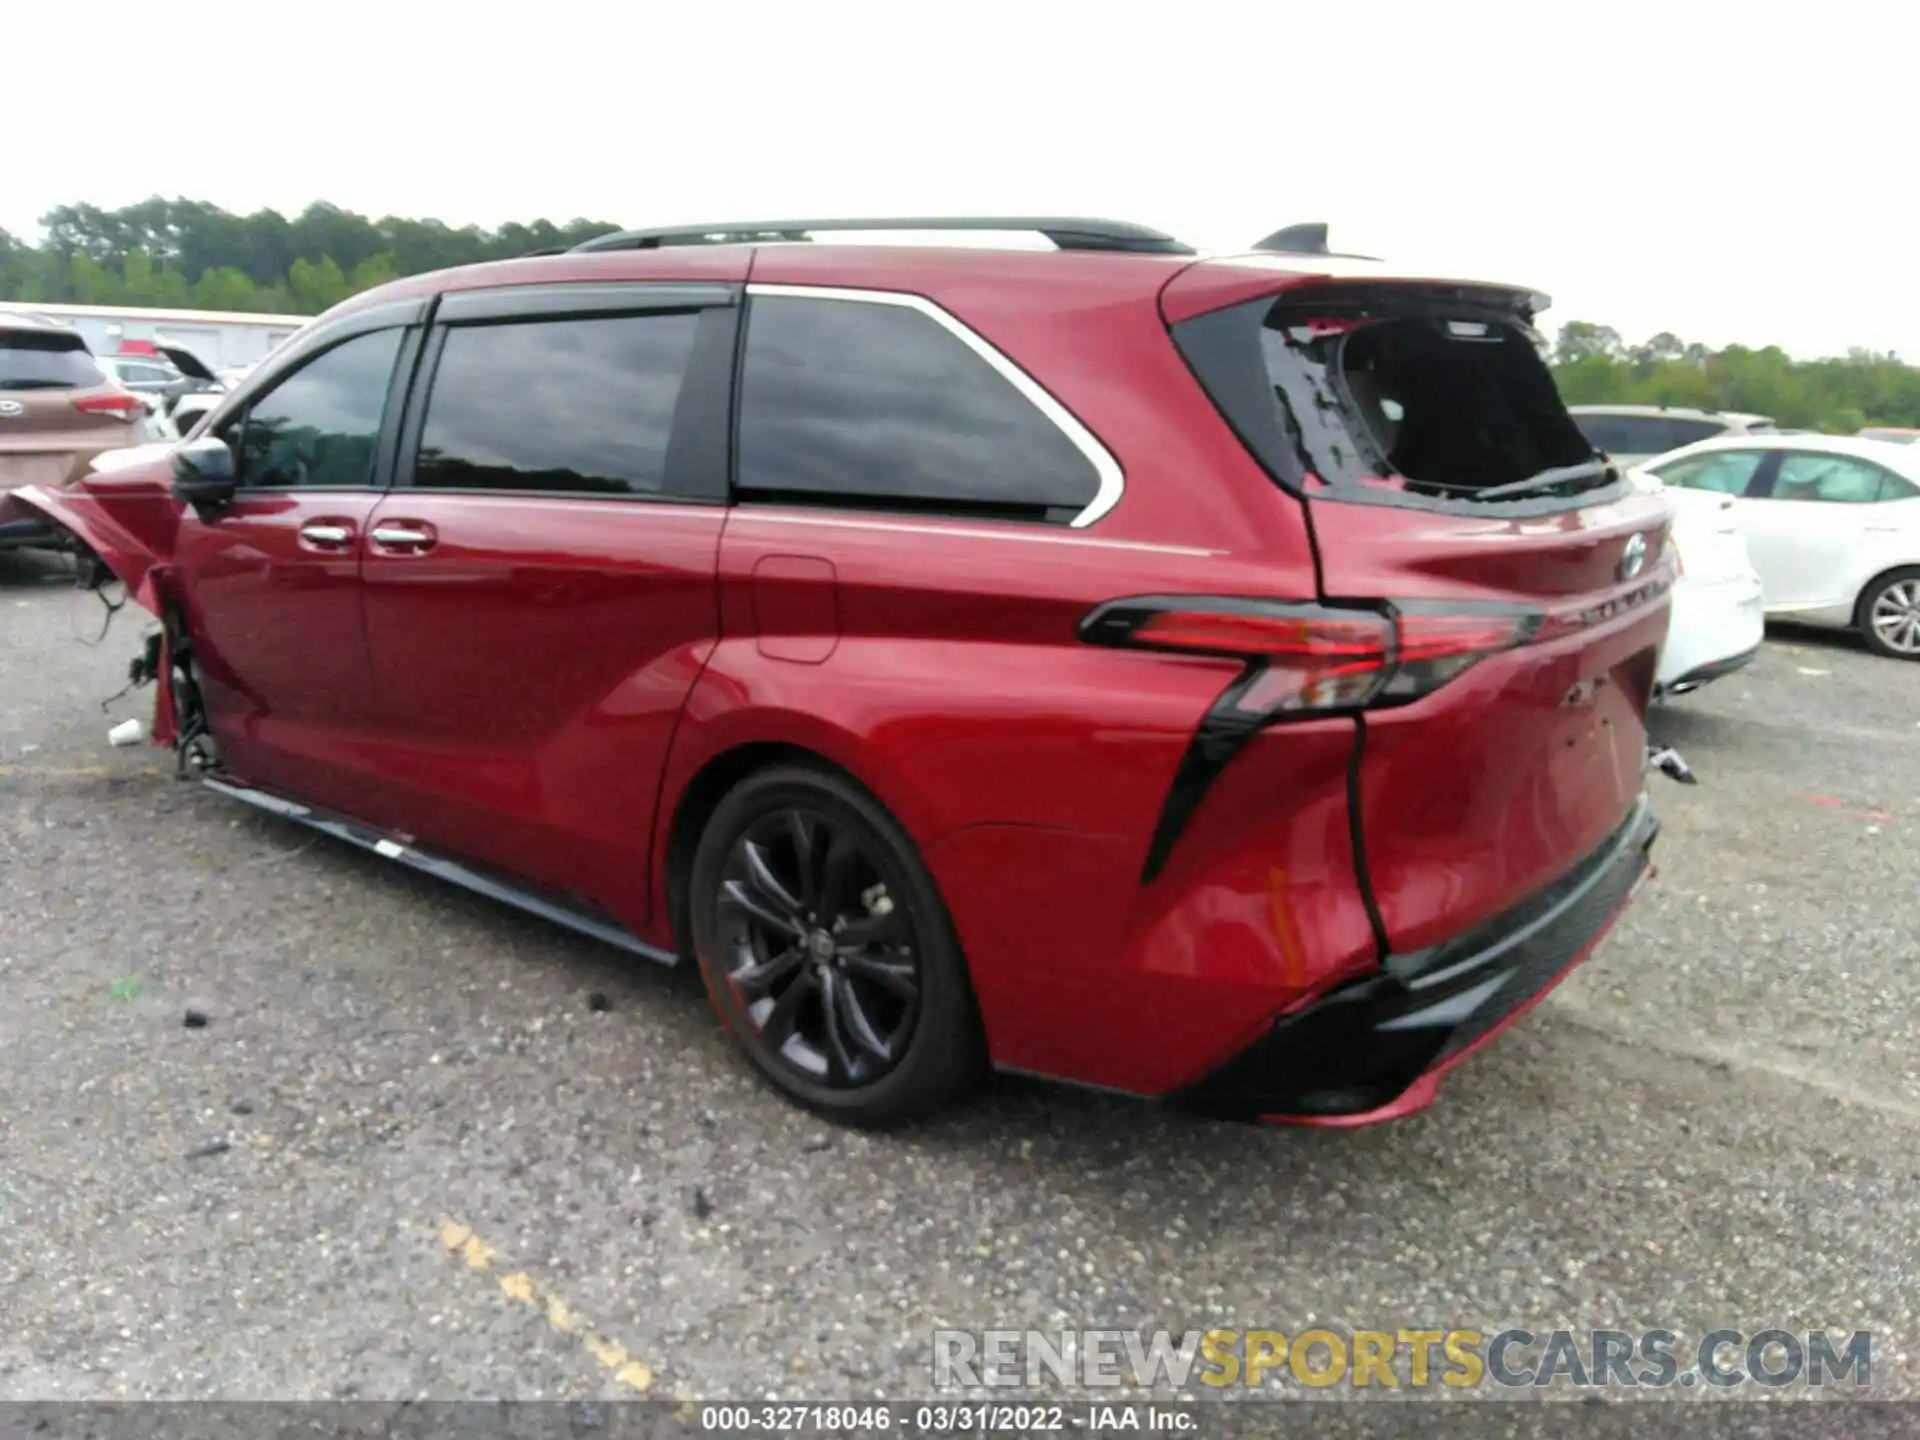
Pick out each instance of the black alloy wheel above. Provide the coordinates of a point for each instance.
(827, 951)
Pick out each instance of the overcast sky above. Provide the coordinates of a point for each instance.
(1729, 172)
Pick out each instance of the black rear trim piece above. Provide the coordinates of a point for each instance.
(553, 302)
(1222, 734)
(560, 909)
(1357, 832)
(1361, 1046)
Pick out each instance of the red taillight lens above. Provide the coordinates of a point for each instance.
(1436, 644)
(122, 404)
(1305, 659)
(1359, 640)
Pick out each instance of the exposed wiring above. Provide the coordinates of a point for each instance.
(112, 607)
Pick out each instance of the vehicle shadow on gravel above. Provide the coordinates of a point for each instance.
(594, 968)
(1692, 729)
(1815, 637)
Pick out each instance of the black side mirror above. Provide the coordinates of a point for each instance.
(204, 474)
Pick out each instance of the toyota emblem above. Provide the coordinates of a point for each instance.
(10, 409)
(1634, 558)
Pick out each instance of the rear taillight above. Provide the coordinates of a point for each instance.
(1304, 660)
(1679, 561)
(121, 404)
(1312, 659)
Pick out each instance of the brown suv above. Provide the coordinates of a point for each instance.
(58, 410)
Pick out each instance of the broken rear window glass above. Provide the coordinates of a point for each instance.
(1444, 405)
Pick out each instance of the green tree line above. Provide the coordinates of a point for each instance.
(1594, 366)
(187, 254)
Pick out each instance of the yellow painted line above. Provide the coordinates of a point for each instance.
(562, 1318)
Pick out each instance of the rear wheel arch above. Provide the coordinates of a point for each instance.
(1907, 571)
(945, 1050)
(696, 804)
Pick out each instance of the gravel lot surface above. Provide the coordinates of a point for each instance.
(411, 1154)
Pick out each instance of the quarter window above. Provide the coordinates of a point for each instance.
(319, 428)
(880, 404)
(572, 407)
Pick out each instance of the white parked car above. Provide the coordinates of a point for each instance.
(1832, 524)
(1718, 618)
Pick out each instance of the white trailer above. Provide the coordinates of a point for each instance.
(226, 340)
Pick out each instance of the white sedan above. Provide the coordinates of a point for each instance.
(1832, 524)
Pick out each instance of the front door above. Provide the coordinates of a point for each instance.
(540, 591)
(272, 579)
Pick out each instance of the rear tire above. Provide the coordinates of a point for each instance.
(1889, 614)
(827, 951)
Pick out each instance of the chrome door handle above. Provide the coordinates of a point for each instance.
(399, 535)
(319, 533)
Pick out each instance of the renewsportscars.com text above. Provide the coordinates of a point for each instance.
(1459, 1359)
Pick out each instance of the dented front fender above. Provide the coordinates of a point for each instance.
(128, 522)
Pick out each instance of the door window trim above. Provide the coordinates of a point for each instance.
(305, 343)
(386, 439)
(697, 462)
(1111, 478)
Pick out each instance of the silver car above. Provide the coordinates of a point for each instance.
(1631, 434)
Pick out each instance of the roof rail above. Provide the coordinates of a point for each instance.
(1305, 239)
(1067, 233)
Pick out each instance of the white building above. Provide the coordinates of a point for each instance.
(224, 339)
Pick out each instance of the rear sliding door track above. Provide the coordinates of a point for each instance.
(560, 909)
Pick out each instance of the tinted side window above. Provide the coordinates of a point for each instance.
(580, 406)
(1622, 434)
(1726, 472)
(1685, 432)
(1643, 434)
(1836, 479)
(320, 426)
(883, 404)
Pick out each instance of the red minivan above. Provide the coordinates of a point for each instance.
(1219, 679)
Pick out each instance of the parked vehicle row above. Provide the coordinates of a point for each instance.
(166, 372)
(60, 409)
(1174, 673)
(1832, 524)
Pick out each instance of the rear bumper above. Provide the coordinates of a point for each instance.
(1712, 670)
(1711, 626)
(1375, 1049)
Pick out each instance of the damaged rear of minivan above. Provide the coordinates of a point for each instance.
(1518, 589)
